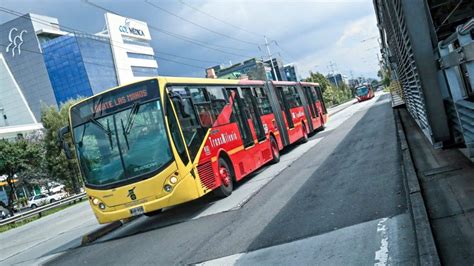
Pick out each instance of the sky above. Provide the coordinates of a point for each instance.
(312, 34)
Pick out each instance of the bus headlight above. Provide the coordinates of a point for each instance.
(96, 201)
(101, 206)
(168, 188)
(173, 180)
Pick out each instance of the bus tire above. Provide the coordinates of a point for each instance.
(226, 177)
(275, 150)
(304, 139)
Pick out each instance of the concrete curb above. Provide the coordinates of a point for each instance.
(427, 252)
(102, 231)
(340, 109)
(98, 233)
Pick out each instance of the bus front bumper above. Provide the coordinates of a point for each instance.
(184, 191)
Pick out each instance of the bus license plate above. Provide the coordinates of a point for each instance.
(137, 211)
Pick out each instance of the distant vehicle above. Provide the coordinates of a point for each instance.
(364, 92)
(57, 189)
(4, 213)
(43, 199)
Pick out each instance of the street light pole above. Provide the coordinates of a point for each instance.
(271, 58)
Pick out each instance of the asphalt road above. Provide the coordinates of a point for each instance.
(342, 201)
(35, 242)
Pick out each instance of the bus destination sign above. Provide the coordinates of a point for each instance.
(115, 100)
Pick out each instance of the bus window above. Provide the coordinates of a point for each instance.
(253, 113)
(292, 97)
(263, 103)
(202, 105)
(193, 132)
(311, 100)
(218, 100)
(175, 133)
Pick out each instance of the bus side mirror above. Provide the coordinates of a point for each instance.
(61, 132)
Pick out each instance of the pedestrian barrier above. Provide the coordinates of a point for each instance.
(38, 211)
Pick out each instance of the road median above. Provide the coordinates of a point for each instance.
(102, 231)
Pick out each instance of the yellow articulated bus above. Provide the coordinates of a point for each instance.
(165, 141)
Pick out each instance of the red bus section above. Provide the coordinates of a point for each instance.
(364, 92)
(316, 105)
(248, 124)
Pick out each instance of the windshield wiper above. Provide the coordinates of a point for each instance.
(130, 120)
(131, 117)
(106, 130)
(125, 135)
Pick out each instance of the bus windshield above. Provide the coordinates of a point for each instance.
(361, 91)
(123, 145)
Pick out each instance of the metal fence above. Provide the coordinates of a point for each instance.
(38, 211)
(404, 41)
(456, 60)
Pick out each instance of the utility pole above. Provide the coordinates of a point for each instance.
(271, 58)
(331, 66)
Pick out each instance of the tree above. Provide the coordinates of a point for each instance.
(332, 95)
(319, 78)
(57, 165)
(384, 77)
(16, 157)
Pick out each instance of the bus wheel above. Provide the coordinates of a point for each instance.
(304, 139)
(226, 177)
(275, 150)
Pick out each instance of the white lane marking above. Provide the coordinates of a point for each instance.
(381, 255)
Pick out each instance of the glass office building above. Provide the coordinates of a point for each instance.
(79, 65)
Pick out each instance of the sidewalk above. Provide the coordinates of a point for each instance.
(447, 183)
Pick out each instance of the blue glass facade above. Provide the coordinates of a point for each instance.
(79, 66)
(144, 71)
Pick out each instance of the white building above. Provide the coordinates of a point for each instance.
(133, 55)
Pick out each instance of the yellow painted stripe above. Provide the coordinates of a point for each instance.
(236, 150)
(231, 152)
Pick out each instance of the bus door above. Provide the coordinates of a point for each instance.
(253, 113)
(312, 105)
(285, 106)
(241, 117)
(320, 104)
(275, 103)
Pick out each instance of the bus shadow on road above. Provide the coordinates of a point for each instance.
(359, 180)
(187, 211)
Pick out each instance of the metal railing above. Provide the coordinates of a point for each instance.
(38, 211)
(466, 116)
(457, 63)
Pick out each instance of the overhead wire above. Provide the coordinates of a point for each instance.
(44, 22)
(234, 26)
(214, 47)
(197, 24)
(220, 20)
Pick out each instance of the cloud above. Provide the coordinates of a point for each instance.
(310, 32)
(358, 28)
